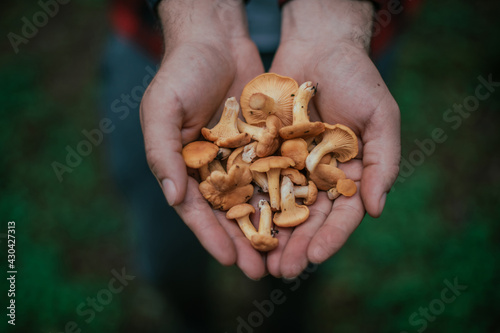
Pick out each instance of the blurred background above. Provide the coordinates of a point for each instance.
(430, 262)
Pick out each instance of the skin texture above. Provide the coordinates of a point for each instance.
(206, 63)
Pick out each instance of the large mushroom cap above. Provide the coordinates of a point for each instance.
(280, 89)
(239, 211)
(199, 153)
(345, 140)
(296, 149)
(272, 162)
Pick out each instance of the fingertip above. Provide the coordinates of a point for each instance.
(317, 254)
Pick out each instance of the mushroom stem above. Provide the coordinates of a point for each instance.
(266, 218)
(304, 95)
(323, 148)
(273, 181)
(246, 226)
(260, 101)
(260, 179)
(301, 191)
(215, 165)
(254, 131)
(204, 172)
(287, 195)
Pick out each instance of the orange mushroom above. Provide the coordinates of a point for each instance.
(291, 214)
(268, 94)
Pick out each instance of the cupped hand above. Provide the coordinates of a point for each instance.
(350, 92)
(198, 73)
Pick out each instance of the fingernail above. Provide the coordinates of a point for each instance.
(169, 190)
(382, 203)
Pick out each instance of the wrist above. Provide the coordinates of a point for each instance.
(208, 21)
(328, 22)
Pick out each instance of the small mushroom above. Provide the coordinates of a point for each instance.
(295, 176)
(346, 187)
(291, 214)
(225, 190)
(296, 149)
(225, 133)
(199, 154)
(264, 240)
(272, 166)
(333, 193)
(301, 126)
(309, 193)
(325, 176)
(268, 94)
(241, 213)
(337, 139)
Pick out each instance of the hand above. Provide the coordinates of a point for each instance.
(209, 57)
(331, 49)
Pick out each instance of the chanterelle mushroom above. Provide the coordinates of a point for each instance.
(337, 139)
(295, 176)
(264, 240)
(309, 193)
(296, 149)
(326, 176)
(268, 94)
(272, 165)
(225, 133)
(267, 137)
(301, 126)
(241, 213)
(200, 155)
(291, 214)
(225, 190)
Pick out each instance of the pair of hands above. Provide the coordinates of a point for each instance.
(206, 63)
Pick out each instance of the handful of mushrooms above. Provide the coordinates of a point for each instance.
(279, 149)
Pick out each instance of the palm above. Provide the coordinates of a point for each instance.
(350, 92)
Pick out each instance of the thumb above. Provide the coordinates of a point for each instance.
(161, 123)
(381, 154)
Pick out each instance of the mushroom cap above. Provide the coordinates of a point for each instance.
(296, 149)
(345, 140)
(302, 130)
(264, 243)
(240, 211)
(325, 176)
(271, 162)
(224, 191)
(295, 176)
(291, 219)
(225, 200)
(346, 187)
(280, 88)
(270, 140)
(199, 153)
(312, 194)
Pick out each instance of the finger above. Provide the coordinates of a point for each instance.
(274, 257)
(381, 155)
(344, 218)
(199, 217)
(250, 261)
(294, 258)
(161, 124)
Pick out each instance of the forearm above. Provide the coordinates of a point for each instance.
(328, 21)
(209, 21)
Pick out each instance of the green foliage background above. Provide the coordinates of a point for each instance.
(441, 223)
